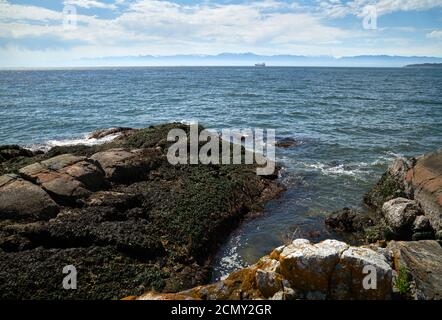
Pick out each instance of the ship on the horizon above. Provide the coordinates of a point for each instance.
(260, 64)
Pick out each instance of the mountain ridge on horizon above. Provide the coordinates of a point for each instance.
(249, 59)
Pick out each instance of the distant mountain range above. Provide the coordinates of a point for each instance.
(250, 59)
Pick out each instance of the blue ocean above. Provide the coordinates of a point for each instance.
(349, 124)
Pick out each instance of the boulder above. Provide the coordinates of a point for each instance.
(399, 214)
(66, 176)
(301, 270)
(20, 199)
(348, 220)
(8, 152)
(125, 166)
(423, 261)
(308, 267)
(348, 276)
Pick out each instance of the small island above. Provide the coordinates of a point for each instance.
(424, 65)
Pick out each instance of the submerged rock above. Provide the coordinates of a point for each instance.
(287, 143)
(302, 270)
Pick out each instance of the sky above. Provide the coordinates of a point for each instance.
(57, 32)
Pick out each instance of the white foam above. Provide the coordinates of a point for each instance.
(85, 140)
(353, 170)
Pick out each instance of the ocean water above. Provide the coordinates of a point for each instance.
(350, 124)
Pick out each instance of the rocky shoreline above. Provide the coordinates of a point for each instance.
(120, 213)
(137, 227)
(406, 204)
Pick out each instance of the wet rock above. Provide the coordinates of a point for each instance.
(121, 131)
(348, 220)
(8, 152)
(124, 166)
(400, 213)
(66, 176)
(327, 270)
(391, 185)
(20, 199)
(423, 260)
(287, 143)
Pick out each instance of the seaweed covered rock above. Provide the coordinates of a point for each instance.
(392, 184)
(9, 152)
(349, 220)
(122, 215)
(302, 270)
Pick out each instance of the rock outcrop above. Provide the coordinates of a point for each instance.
(302, 270)
(425, 179)
(423, 261)
(349, 220)
(21, 199)
(66, 176)
(125, 218)
(406, 203)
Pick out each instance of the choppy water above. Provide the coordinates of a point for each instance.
(351, 122)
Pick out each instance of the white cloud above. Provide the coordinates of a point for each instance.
(435, 34)
(256, 23)
(167, 28)
(91, 4)
(336, 9)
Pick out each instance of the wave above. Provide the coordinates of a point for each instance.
(85, 140)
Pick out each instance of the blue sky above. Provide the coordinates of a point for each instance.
(38, 33)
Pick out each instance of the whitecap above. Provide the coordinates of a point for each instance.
(85, 140)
